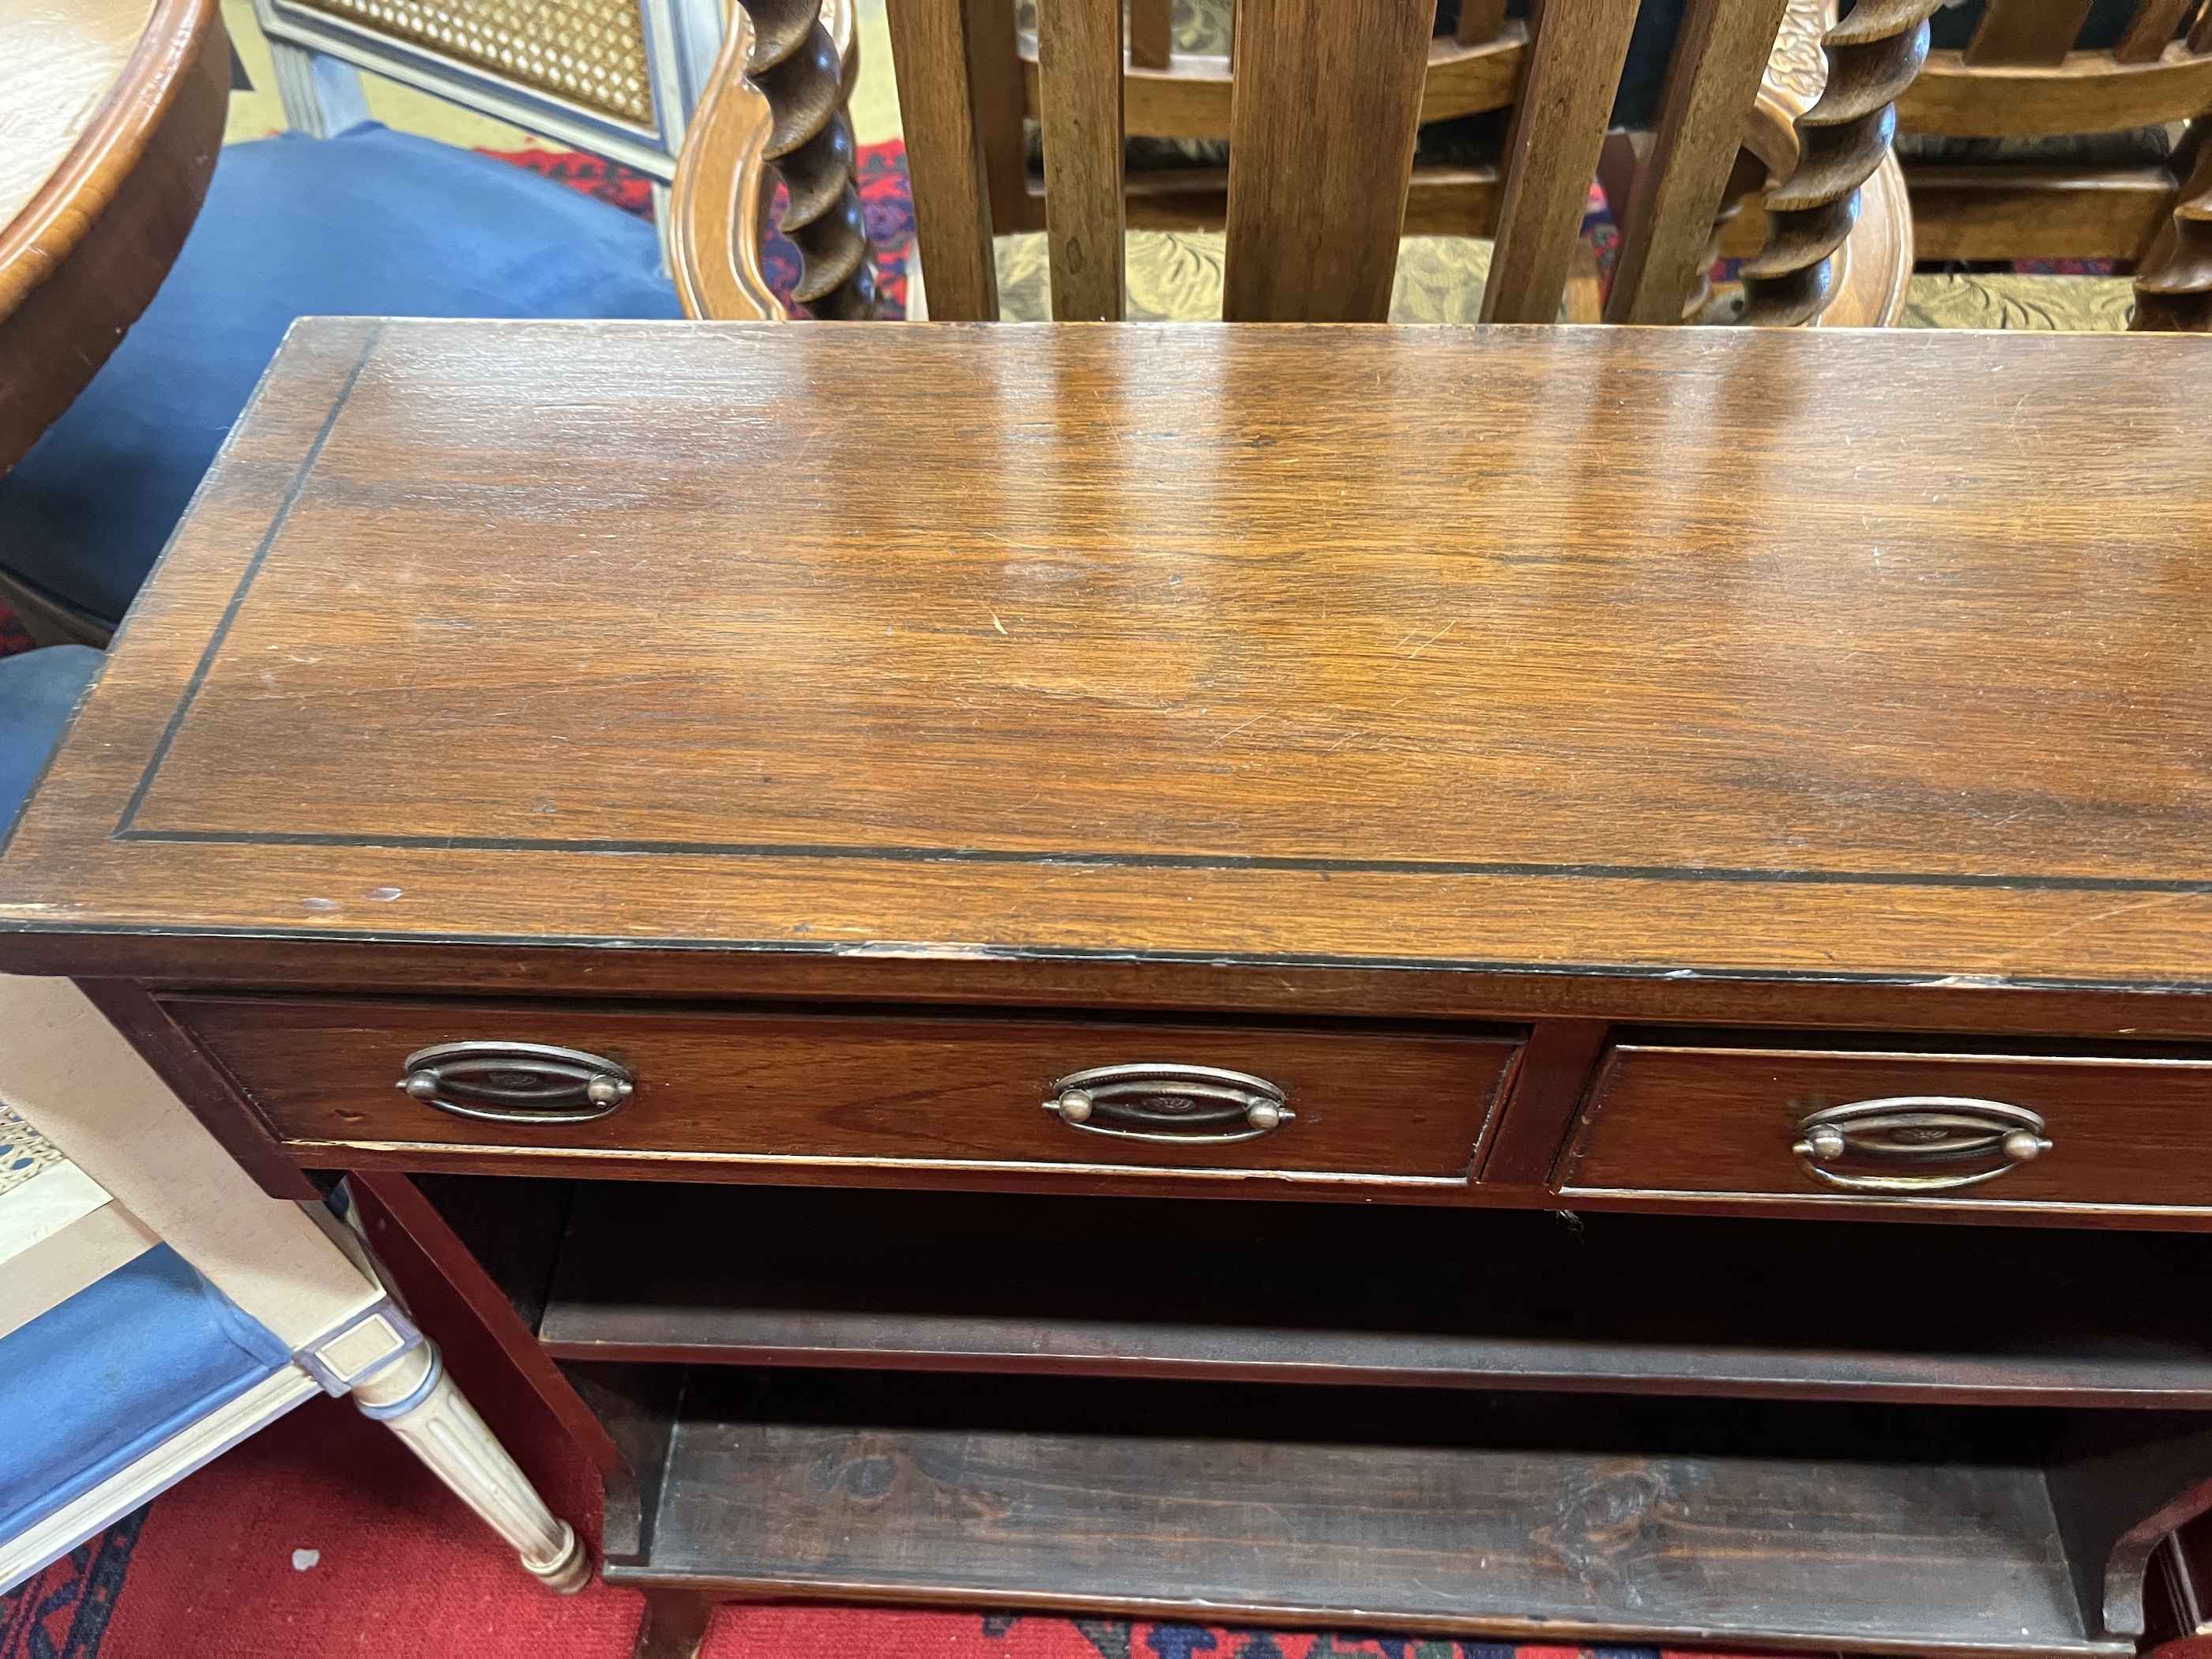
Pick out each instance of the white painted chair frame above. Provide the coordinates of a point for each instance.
(294, 1268)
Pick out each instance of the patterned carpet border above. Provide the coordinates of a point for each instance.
(62, 1611)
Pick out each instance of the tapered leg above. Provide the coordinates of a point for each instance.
(675, 1625)
(415, 1398)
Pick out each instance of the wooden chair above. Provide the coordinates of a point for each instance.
(622, 79)
(1322, 110)
(2027, 74)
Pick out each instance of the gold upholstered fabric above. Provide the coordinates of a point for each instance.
(2043, 304)
(1175, 276)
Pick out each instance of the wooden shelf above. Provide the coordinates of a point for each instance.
(1290, 1293)
(1521, 1516)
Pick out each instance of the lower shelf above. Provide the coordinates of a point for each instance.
(1522, 1515)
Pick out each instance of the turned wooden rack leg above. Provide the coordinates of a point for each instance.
(415, 1398)
(795, 64)
(1873, 55)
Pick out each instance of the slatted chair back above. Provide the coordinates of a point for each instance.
(1323, 104)
(2026, 74)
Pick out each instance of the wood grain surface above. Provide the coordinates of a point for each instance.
(1697, 656)
(2027, 32)
(1971, 212)
(2086, 92)
(832, 1090)
(1322, 120)
(64, 58)
(2124, 1132)
(1567, 1524)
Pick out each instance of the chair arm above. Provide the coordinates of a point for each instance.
(718, 207)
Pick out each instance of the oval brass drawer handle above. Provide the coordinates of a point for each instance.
(1941, 1131)
(516, 1082)
(1152, 1100)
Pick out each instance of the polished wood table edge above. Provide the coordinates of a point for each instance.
(364, 965)
(1296, 1615)
(55, 220)
(1211, 1186)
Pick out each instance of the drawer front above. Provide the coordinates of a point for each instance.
(830, 1087)
(1955, 1129)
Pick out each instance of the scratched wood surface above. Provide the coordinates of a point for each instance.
(1527, 1516)
(1689, 653)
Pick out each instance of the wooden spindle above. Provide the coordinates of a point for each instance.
(2027, 31)
(1719, 59)
(2150, 29)
(1481, 21)
(1079, 98)
(1575, 60)
(998, 81)
(1323, 111)
(1152, 33)
(1745, 179)
(795, 65)
(944, 158)
(1873, 55)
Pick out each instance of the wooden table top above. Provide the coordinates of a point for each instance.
(1678, 655)
(111, 113)
(62, 58)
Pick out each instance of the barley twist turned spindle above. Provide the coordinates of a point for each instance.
(794, 64)
(1872, 56)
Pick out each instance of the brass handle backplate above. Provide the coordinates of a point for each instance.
(1918, 1143)
(516, 1082)
(1154, 1100)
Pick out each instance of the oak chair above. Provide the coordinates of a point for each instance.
(1323, 109)
(1476, 58)
(2074, 97)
